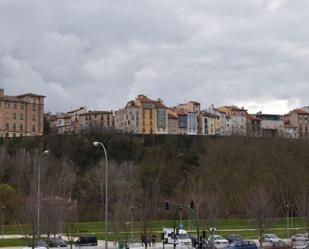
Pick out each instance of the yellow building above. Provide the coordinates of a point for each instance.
(151, 116)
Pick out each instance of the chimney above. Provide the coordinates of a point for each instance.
(1, 92)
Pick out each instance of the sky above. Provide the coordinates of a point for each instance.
(102, 53)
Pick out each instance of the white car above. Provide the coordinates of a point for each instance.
(218, 241)
(299, 237)
(270, 238)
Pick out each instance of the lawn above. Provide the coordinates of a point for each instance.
(244, 227)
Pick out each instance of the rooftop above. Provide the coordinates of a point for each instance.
(96, 112)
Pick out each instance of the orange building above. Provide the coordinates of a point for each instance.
(21, 115)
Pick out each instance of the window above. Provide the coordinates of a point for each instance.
(7, 126)
(33, 128)
(7, 104)
(182, 121)
(15, 106)
(14, 115)
(161, 118)
(21, 107)
(33, 117)
(21, 117)
(21, 127)
(33, 107)
(14, 127)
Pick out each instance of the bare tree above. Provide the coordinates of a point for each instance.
(260, 207)
(302, 205)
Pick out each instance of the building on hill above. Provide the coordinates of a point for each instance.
(253, 126)
(127, 119)
(238, 120)
(272, 125)
(143, 116)
(173, 124)
(208, 121)
(300, 119)
(191, 111)
(63, 124)
(290, 131)
(96, 120)
(21, 115)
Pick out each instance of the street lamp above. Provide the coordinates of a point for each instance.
(96, 144)
(2, 221)
(45, 152)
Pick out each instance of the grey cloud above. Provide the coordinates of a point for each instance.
(101, 53)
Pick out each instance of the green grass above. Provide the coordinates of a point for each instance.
(13, 242)
(224, 227)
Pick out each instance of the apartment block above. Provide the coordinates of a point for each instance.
(143, 116)
(127, 119)
(272, 125)
(300, 119)
(238, 120)
(21, 115)
(97, 120)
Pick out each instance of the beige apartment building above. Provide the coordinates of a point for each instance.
(95, 120)
(21, 115)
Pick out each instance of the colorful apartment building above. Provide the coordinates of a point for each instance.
(208, 121)
(190, 112)
(21, 115)
(238, 119)
(143, 116)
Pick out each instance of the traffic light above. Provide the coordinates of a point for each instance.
(177, 231)
(192, 204)
(166, 205)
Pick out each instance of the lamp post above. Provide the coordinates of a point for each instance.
(96, 144)
(2, 221)
(45, 152)
(287, 220)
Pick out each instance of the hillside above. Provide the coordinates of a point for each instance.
(218, 173)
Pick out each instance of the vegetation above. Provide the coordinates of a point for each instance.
(218, 174)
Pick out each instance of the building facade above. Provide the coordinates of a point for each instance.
(238, 119)
(21, 115)
(253, 126)
(272, 125)
(300, 119)
(127, 119)
(97, 120)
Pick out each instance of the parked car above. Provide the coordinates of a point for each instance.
(234, 237)
(243, 244)
(56, 242)
(278, 245)
(218, 241)
(299, 237)
(87, 240)
(270, 238)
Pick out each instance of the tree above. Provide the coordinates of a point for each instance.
(260, 207)
(302, 205)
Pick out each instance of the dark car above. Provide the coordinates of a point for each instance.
(57, 242)
(244, 244)
(234, 237)
(87, 240)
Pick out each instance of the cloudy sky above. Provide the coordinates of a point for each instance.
(102, 53)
